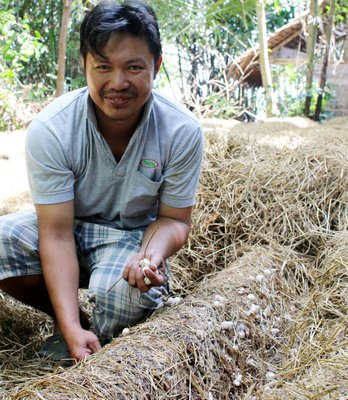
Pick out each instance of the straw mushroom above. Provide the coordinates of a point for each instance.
(260, 278)
(227, 325)
(238, 380)
(145, 265)
(219, 298)
(254, 309)
(275, 331)
(217, 304)
(270, 375)
(241, 334)
(173, 301)
(251, 297)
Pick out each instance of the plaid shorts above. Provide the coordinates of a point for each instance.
(102, 253)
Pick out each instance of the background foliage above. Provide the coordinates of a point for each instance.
(201, 38)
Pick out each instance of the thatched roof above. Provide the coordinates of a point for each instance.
(247, 65)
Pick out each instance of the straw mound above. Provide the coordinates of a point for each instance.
(270, 221)
(22, 330)
(227, 338)
(317, 364)
(256, 194)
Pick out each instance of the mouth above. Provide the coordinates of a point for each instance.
(118, 100)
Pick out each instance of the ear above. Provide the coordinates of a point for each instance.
(158, 65)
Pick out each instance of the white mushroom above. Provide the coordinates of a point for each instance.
(173, 301)
(227, 325)
(145, 265)
(275, 331)
(238, 380)
(217, 304)
(241, 334)
(254, 309)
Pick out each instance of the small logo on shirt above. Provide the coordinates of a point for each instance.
(149, 163)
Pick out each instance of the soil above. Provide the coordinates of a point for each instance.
(13, 176)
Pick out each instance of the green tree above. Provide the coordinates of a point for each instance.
(18, 46)
(207, 37)
(204, 35)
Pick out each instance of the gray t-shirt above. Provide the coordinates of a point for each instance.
(68, 158)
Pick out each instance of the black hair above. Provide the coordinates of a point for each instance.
(106, 18)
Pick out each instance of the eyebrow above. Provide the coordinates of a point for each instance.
(136, 60)
(100, 58)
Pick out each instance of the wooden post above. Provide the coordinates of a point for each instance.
(264, 57)
(311, 42)
(325, 61)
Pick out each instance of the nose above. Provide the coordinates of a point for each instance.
(119, 80)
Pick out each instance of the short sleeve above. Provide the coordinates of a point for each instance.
(181, 175)
(51, 180)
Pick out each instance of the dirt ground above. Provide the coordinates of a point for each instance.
(14, 190)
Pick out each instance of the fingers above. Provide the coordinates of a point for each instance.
(136, 277)
(134, 262)
(94, 344)
(156, 277)
(134, 274)
(84, 345)
(157, 262)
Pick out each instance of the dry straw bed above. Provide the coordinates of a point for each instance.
(22, 330)
(254, 193)
(270, 222)
(316, 366)
(221, 342)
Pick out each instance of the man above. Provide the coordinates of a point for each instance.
(113, 170)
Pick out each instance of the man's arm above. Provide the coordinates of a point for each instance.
(162, 239)
(61, 273)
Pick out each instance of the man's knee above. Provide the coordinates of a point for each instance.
(18, 228)
(19, 259)
(121, 307)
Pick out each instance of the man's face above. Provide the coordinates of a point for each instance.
(121, 83)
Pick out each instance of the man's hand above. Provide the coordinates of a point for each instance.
(81, 343)
(161, 240)
(61, 272)
(134, 274)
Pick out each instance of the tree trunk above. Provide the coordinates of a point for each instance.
(264, 58)
(325, 60)
(311, 42)
(62, 47)
(345, 51)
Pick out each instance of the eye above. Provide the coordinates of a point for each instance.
(102, 67)
(136, 68)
